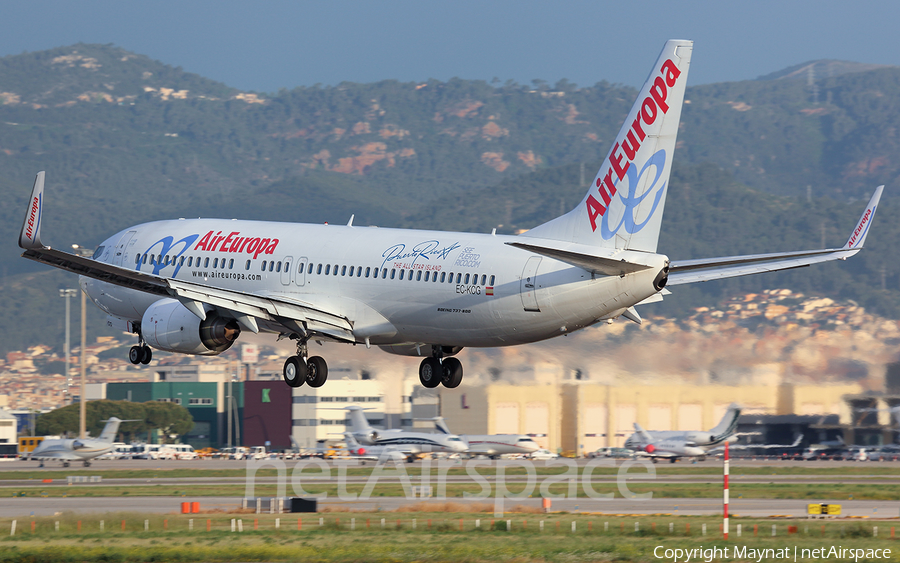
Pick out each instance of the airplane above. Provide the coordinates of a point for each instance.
(492, 445)
(672, 444)
(77, 449)
(824, 449)
(193, 286)
(381, 454)
(416, 442)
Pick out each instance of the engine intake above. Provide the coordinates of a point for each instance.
(168, 325)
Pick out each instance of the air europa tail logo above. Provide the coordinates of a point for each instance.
(621, 157)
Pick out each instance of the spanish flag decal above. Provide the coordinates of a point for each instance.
(488, 290)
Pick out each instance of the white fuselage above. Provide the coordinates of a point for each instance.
(414, 442)
(499, 295)
(72, 449)
(500, 444)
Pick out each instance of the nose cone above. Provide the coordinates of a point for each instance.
(458, 446)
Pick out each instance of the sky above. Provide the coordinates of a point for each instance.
(266, 46)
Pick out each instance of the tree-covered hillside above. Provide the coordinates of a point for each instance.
(125, 139)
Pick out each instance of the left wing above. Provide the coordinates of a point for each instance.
(295, 315)
(690, 271)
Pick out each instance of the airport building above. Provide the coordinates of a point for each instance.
(580, 416)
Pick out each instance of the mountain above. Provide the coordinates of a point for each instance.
(762, 164)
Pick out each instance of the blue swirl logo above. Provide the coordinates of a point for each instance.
(168, 246)
(631, 200)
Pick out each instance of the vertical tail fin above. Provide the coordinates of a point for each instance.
(110, 430)
(727, 425)
(358, 422)
(624, 206)
(30, 235)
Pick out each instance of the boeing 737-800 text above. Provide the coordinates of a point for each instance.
(193, 286)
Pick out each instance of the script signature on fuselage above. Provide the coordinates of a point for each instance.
(426, 250)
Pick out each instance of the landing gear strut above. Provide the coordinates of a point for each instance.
(438, 370)
(140, 354)
(301, 369)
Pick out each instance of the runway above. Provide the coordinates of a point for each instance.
(213, 506)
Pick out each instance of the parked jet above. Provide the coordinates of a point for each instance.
(76, 449)
(672, 444)
(381, 454)
(492, 445)
(192, 286)
(416, 442)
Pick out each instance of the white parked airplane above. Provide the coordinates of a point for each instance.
(192, 286)
(492, 445)
(76, 449)
(672, 444)
(381, 454)
(414, 442)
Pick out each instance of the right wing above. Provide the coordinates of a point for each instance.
(690, 271)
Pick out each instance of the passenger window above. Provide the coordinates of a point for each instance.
(190, 261)
(483, 279)
(327, 269)
(443, 276)
(426, 275)
(310, 269)
(206, 262)
(278, 266)
(394, 271)
(343, 270)
(458, 278)
(335, 269)
(359, 272)
(401, 275)
(263, 265)
(351, 271)
(181, 261)
(144, 260)
(492, 281)
(223, 263)
(137, 259)
(287, 266)
(419, 276)
(215, 263)
(467, 279)
(368, 270)
(319, 269)
(384, 273)
(247, 267)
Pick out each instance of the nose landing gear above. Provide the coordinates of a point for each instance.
(301, 369)
(438, 370)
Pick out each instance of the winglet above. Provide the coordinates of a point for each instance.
(858, 236)
(30, 235)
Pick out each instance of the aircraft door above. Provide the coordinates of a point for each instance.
(122, 248)
(528, 285)
(287, 271)
(301, 271)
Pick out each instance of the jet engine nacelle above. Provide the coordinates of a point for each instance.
(168, 325)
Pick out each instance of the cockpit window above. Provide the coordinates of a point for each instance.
(98, 252)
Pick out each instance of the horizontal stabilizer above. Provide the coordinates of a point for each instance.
(591, 262)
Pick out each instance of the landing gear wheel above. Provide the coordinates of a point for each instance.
(452, 373)
(294, 372)
(87, 463)
(430, 371)
(65, 464)
(147, 354)
(316, 371)
(135, 354)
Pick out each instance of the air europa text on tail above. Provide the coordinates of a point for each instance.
(654, 103)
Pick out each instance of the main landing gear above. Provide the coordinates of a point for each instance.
(300, 369)
(140, 354)
(438, 370)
